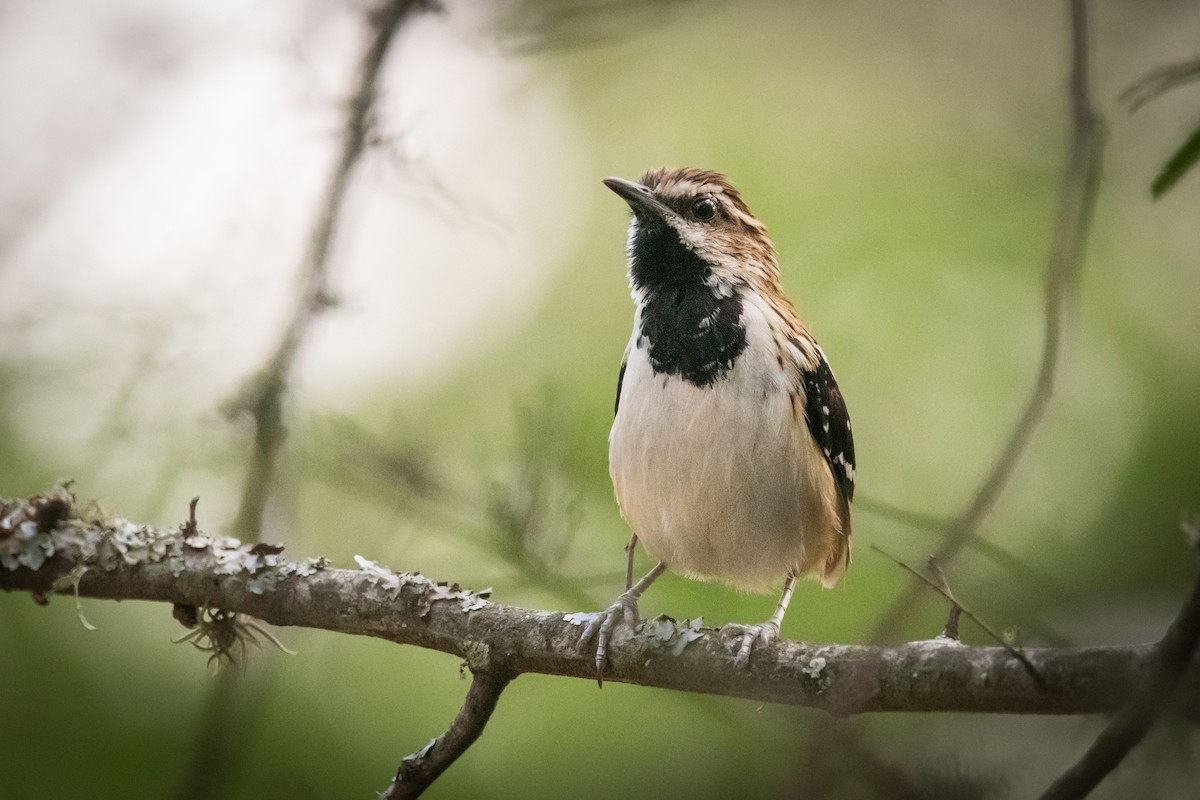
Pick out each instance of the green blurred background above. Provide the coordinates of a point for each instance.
(450, 415)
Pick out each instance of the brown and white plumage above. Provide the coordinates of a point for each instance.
(731, 453)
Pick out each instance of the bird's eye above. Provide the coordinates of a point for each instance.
(705, 208)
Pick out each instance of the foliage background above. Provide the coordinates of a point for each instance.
(451, 413)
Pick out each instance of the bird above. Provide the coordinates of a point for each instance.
(731, 453)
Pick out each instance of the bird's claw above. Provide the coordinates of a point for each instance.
(602, 625)
(762, 635)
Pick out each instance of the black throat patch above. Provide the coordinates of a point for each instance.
(688, 330)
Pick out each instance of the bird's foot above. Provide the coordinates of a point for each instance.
(751, 635)
(602, 625)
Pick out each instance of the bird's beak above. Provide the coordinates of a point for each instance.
(640, 199)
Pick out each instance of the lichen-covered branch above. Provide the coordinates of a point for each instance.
(45, 547)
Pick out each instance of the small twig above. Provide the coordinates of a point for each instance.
(188, 615)
(190, 527)
(1172, 658)
(956, 609)
(1159, 81)
(423, 767)
(944, 591)
(951, 629)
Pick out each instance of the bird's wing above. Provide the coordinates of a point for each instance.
(620, 380)
(621, 377)
(829, 422)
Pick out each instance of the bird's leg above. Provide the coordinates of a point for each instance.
(767, 632)
(629, 550)
(626, 608)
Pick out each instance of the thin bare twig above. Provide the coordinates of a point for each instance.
(1040, 582)
(263, 395)
(1076, 205)
(423, 767)
(1173, 656)
(1159, 81)
(956, 609)
(941, 587)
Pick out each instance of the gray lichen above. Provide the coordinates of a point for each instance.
(815, 667)
(25, 526)
(427, 592)
(667, 633)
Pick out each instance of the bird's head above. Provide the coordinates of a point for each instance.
(691, 226)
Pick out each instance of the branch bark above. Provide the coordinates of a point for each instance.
(117, 559)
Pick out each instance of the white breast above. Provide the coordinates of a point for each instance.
(722, 482)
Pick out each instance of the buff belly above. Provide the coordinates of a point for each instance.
(711, 479)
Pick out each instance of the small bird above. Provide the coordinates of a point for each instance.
(731, 453)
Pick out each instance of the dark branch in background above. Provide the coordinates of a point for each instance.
(45, 548)
(1150, 86)
(1159, 81)
(1076, 205)
(1077, 202)
(263, 395)
(423, 767)
(1172, 658)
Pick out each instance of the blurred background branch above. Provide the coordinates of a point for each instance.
(1077, 203)
(1155, 84)
(263, 395)
(1158, 689)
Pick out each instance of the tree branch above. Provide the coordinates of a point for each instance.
(115, 559)
(423, 767)
(1172, 658)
